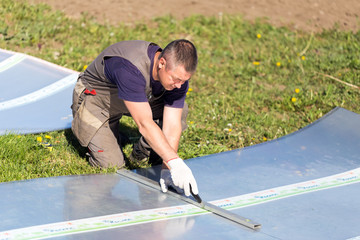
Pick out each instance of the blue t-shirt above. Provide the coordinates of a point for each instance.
(132, 84)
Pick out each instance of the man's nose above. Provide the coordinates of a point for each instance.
(178, 85)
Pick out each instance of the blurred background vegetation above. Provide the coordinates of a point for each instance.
(254, 83)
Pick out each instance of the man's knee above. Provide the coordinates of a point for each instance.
(98, 157)
(104, 149)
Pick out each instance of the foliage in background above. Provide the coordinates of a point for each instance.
(254, 82)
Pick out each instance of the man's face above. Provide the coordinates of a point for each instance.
(172, 78)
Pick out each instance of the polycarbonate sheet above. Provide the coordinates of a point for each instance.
(26, 77)
(322, 150)
(35, 95)
(59, 199)
(4, 55)
(46, 114)
(329, 146)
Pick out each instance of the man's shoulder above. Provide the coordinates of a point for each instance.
(122, 69)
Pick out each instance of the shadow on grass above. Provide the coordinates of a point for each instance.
(72, 140)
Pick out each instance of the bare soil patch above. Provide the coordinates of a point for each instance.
(308, 15)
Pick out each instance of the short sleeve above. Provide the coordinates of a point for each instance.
(129, 80)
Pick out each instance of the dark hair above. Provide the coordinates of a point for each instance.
(181, 52)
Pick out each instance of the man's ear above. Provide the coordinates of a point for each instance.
(162, 62)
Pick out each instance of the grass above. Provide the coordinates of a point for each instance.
(254, 82)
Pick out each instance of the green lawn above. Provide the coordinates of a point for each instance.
(254, 82)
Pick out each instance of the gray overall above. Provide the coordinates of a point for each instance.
(97, 108)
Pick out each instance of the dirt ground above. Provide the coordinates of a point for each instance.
(308, 15)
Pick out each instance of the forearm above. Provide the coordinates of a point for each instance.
(163, 142)
(164, 146)
(173, 136)
(172, 127)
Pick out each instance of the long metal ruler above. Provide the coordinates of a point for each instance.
(199, 202)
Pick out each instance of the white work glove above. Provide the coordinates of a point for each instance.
(166, 181)
(182, 176)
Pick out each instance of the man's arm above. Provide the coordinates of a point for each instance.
(172, 126)
(142, 115)
(165, 143)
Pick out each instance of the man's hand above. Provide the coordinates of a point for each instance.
(182, 176)
(166, 182)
